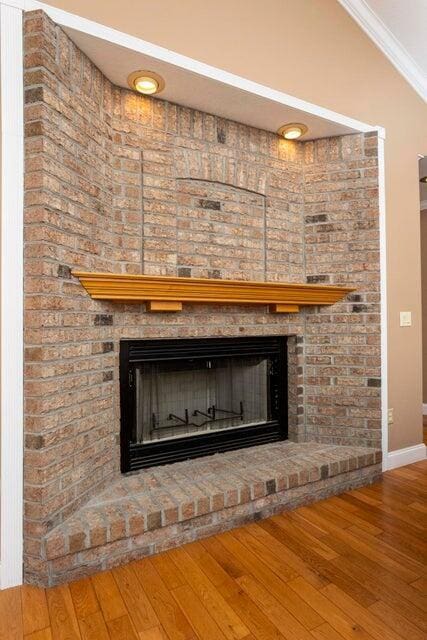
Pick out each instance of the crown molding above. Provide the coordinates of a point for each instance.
(387, 43)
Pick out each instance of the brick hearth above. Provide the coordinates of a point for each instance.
(167, 506)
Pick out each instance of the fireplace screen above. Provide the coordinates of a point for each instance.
(187, 398)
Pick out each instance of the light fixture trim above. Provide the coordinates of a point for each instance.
(150, 75)
(286, 130)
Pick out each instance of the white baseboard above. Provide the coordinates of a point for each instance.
(401, 457)
(425, 409)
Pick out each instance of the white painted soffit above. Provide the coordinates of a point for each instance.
(194, 83)
(390, 28)
(197, 91)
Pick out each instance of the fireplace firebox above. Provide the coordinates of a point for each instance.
(183, 399)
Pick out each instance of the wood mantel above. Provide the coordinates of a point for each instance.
(167, 293)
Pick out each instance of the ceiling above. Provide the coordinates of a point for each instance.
(266, 109)
(407, 21)
(399, 29)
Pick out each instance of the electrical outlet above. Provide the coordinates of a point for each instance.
(390, 416)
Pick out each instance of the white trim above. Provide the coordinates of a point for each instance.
(11, 487)
(402, 457)
(12, 293)
(423, 205)
(424, 409)
(383, 291)
(384, 39)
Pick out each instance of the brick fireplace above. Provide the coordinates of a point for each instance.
(120, 183)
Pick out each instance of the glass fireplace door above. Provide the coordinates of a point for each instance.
(191, 397)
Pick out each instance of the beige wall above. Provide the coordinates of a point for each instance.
(312, 49)
(424, 300)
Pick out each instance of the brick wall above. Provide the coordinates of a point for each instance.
(123, 183)
(342, 342)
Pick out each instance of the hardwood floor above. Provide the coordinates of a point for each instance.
(350, 567)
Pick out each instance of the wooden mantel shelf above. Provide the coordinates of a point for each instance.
(164, 293)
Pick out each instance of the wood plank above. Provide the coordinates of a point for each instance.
(373, 580)
(332, 516)
(156, 633)
(108, 595)
(420, 585)
(93, 627)
(63, 619)
(35, 614)
(84, 598)
(351, 516)
(367, 619)
(375, 554)
(169, 614)
(390, 616)
(277, 545)
(303, 538)
(413, 487)
(418, 506)
(326, 632)
(409, 535)
(272, 560)
(284, 621)
(204, 625)
(171, 576)
(279, 589)
(405, 486)
(322, 566)
(11, 627)
(43, 634)
(340, 621)
(226, 586)
(388, 499)
(216, 574)
(398, 555)
(137, 603)
(121, 629)
(408, 473)
(229, 623)
(261, 627)
(312, 529)
(337, 500)
(390, 581)
(225, 559)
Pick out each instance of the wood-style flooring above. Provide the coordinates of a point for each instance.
(350, 567)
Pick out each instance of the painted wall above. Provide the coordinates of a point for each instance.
(315, 51)
(424, 297)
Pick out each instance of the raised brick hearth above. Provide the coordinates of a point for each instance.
(167, 506)
(121, 183)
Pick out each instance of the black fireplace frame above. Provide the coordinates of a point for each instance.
(133, 352)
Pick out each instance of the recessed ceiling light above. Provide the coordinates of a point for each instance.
(146, 82)
(423, 179)
(293, 130)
